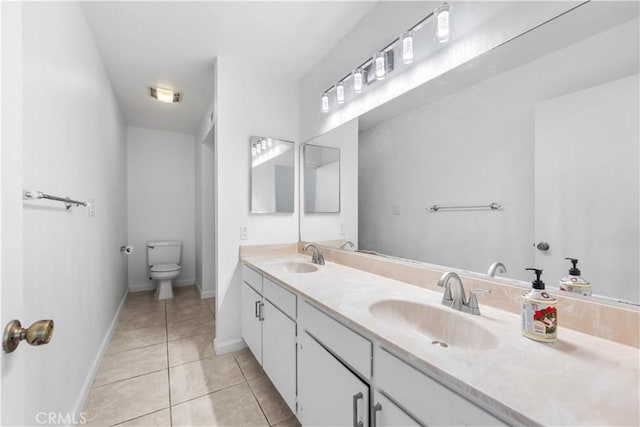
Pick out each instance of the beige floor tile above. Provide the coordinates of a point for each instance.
(192, 326)
(157, 419)
(249, 365)
(212, 305)
(234, 406)
(186, 304)
(141, 297)
(127, 340)
(272, 404)
(141, 319)
(184, 313)
(131, 363)
(143, 307)
(292, 421)
(202, 377)
(190, 349)
(125, 400)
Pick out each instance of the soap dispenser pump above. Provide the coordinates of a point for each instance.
(539, 314)
(574, 282)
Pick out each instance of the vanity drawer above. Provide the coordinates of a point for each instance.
(353, 349)
(252, 278)
(280, 297)
(431, 402)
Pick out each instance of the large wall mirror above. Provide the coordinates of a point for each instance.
(321, 179)
(272, 175)
(547, 127)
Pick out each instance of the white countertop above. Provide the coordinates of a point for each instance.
(578, 380)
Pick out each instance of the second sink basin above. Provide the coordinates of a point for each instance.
(440, 326)
(296, 267)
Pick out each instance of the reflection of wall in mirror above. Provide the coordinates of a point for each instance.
(475, 146)
(322, 188)
(272, 185)
(321, 227)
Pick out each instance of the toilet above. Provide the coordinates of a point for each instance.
(164, 265)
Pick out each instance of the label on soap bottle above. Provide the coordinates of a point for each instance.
(539, 318)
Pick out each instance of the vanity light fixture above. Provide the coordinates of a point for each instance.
(164, 95)
(269, 142)
(406, 47)
(325, 102)
(442, 23)
(264, 144)
(254, 151)
(357, 77)
(340, 92)
(382, 63)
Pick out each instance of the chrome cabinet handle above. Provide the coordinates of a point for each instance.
(257, 309)
(377, 407)
(356, 397)
(261, 312)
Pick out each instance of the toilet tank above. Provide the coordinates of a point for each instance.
(164, 252)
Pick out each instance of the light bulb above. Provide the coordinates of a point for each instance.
(259, 147)
(264, 144)
(357, 80)
(253, 150)
(406, 41)
(340, 92)
(380, 65)
(325, 102)
(269, 142)
(442, 23)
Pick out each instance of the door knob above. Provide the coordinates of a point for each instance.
(38, 333)
(543, 246)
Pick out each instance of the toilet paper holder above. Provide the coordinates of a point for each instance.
(126, 249)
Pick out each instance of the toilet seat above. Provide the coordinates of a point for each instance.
(164, 268)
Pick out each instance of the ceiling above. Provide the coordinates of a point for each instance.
(173, 45)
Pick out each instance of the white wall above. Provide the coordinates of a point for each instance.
(474, 147)
(74, 144)
(342, 225)
(205, 214)
(161, 199)
(248, 103)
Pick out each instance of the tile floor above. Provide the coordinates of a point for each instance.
(160, 370)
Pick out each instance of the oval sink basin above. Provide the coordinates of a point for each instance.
(443, 327)
(296, 267)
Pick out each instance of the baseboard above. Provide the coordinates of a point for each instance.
(86, 386)
(152, 286)
(207, 294)
(223, 347)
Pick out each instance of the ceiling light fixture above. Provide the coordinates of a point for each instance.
(164, 95)
(382, 63)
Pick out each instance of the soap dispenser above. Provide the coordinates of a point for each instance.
(573, 282)
(539, 314)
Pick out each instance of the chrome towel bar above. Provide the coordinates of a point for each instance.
(493, 206)
(34, 195)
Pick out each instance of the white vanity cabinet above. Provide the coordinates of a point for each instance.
(268, 313)
(385, 413)
(334, 367)
(429, 401)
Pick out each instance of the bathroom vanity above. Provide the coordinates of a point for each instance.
(347, 347)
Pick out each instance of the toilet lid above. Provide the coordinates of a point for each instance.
(160, 268)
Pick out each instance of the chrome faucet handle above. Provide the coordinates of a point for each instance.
(473, 299)
(317, 257)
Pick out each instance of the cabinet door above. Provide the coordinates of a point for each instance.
(388, 414)
(251, 326)
(279, 352)
(329, 394)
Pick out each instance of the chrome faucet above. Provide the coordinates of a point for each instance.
(459, 301)
(317, 257)
(347, 243)
(496, 266)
